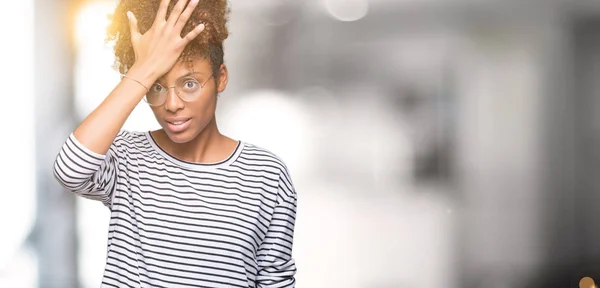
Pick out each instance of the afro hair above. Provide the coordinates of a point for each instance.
(209, 44)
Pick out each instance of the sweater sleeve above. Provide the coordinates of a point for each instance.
(277, 268)
(88, 174)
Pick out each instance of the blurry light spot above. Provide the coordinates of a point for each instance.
(587, 282)
(347, 10)
(94, 72)
(91, 23)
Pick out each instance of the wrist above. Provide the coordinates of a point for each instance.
(144, 74)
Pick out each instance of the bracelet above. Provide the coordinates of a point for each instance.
(125, 76)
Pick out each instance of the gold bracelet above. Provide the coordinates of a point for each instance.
(125, 76)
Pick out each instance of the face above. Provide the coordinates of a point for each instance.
(183, 120)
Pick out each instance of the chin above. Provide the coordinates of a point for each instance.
(180, 137)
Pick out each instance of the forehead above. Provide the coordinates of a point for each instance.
(181, 68)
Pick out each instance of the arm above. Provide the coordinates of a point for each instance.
(276, 265)
(156, 51)
(99, 129)
(88, 161)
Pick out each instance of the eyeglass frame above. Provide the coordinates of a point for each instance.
(177, 94)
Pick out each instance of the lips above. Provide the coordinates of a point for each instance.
(176, 119)
(176, 125)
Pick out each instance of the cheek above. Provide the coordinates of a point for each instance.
(202, 111)
(205, 105)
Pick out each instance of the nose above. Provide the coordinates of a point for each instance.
(173, 102)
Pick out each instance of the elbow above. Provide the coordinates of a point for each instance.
(68, 178)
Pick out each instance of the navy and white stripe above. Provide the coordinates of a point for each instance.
(180, 224)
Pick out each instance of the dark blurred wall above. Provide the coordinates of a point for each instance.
(572, 225)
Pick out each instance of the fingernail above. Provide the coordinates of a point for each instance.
(129, 14)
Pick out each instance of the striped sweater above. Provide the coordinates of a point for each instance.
(180, 224)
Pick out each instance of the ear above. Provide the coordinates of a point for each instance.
(223, 78)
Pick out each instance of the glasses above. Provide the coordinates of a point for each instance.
(186, 88)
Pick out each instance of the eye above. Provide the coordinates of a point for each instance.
(156, 88)
(190, 84)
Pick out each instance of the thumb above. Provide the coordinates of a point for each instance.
(133, 25)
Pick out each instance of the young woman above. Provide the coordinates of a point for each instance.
(190, 207)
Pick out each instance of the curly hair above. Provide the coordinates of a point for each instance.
(209, 44)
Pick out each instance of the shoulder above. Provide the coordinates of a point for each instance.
(130, 137)
(257, 153)
(130, 141)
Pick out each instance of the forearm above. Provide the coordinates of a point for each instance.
(99, 129)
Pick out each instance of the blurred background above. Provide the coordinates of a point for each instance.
(432, 143)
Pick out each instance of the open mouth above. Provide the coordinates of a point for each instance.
(178, 122)
(178, 125)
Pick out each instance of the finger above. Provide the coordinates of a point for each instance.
(133, 25)
(185, 16)
(193, 34)
(176, 12)
(161, 15)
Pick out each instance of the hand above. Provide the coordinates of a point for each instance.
(159, 48)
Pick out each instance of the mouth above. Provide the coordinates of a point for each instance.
(178, 125)
(178, 122)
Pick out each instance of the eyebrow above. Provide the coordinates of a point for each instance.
(162, 79)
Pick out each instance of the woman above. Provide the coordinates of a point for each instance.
(190, 207)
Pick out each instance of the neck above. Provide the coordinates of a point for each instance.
(208, 147)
